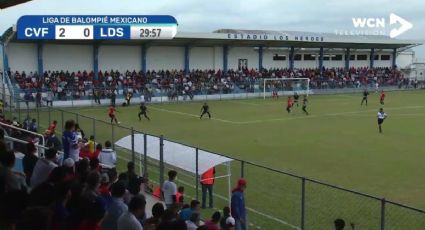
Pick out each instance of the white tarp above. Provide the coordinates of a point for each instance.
(175, 154)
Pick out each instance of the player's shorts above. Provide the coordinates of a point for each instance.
(111, 115)
(380, 121)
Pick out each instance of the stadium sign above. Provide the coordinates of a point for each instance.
(274, 37)
(96, 27)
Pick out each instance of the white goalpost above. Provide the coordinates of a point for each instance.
(285, 86)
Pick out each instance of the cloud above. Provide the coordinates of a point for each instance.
(206, 16)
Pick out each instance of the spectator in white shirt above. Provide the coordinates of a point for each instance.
(194, 221)
(169, 189)
(44, 167)
(108, 155)
(136, 210)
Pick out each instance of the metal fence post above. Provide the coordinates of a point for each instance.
(113, 136)
(302, 203)
(242, 169)
(19, 110)
(38, 118)
(11, 106)
(197, 174)
(383, 214)
(161, 160)
(49, 115)
(94, 128)
(62, 121)
(133, 156)
(145, 154)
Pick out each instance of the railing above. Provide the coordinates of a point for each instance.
(9, 139)
(275, 199)
(70, 97)
(41, 150)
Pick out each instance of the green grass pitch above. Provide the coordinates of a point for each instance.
(337, 143)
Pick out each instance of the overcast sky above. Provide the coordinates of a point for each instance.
(206, 16)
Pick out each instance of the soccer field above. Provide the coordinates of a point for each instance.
(337, 143)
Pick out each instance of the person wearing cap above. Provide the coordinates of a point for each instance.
(238, 205)
(230, 223)
(43, 167)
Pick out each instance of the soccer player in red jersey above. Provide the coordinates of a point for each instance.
(289, 104)
(111, 114)
(382, 97)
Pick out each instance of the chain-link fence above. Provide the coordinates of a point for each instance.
(275, 199)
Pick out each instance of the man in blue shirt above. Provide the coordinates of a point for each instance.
(238, 205)
(186, 213)
(116, 208)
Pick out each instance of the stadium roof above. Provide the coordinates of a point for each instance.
(175, 154)
(265, 38)
(8, 3)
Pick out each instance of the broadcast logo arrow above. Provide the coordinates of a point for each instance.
(405, 25)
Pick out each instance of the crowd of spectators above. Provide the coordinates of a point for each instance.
(82, 190)
(64, 84)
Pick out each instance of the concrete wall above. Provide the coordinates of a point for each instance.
(165, 57)
(22, 57)
(236, 53)
(201, 58)
(268, 61)
(68, 57)
(404, 59)
(121, 58)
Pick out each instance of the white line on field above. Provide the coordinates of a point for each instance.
(191, 115)
(244, 103)
(289, 118)
(283, 118)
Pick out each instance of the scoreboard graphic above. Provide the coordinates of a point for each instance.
(97, 27)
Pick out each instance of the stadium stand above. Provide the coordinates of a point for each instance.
(175, 82)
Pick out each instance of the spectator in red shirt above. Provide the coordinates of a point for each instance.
(213, 224)
(180, 195)
(52, 126)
